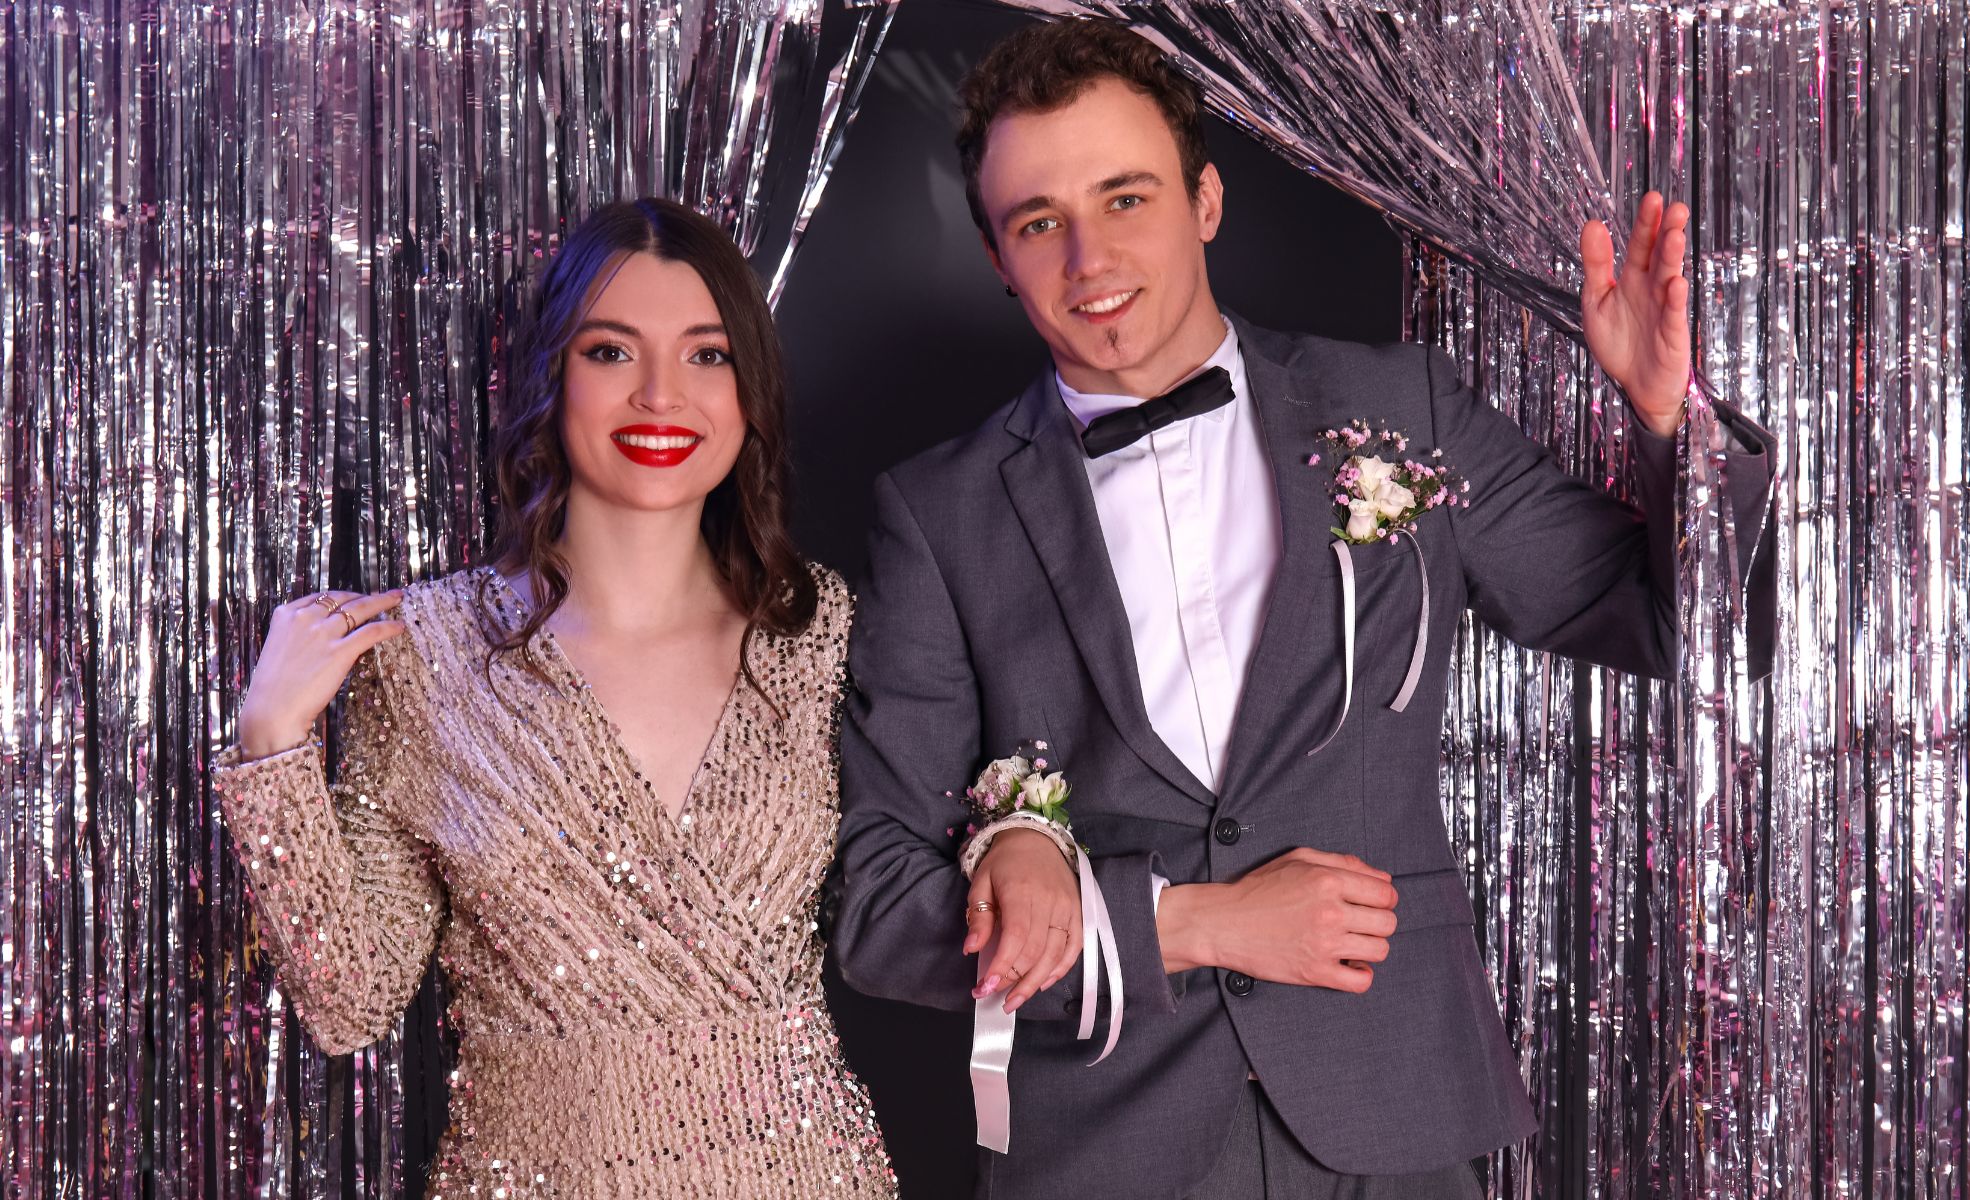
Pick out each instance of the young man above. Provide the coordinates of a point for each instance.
(1160, 604)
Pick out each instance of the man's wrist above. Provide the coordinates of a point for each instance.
(1183, 925)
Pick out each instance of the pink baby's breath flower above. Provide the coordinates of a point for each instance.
(1313, 460)
(1039, 764)
(1040, 746)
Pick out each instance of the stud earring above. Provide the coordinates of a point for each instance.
(1010, 292)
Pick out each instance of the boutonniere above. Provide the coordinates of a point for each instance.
(1380, 493)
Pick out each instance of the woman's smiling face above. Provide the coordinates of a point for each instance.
(650, 414)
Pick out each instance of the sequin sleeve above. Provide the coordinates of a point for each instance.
(347, 899)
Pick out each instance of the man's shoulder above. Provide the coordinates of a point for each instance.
(1311, 353)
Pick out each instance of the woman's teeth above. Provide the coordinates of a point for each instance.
(644, 441)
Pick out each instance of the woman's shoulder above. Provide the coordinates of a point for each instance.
(463, 601)
(446, 618)
(834, 610)
(833, 600)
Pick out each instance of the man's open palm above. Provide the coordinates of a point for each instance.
(1638, 323)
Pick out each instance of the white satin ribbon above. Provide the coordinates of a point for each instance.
(1347, 642)
(1097, 941)
(1416, 655)
(991, 1056)
(992, 1027)
(1401, 700)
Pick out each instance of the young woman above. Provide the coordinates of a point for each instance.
(596, 774)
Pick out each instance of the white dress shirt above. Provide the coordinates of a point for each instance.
(1191, 519)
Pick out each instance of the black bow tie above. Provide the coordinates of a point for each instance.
(1204, 393)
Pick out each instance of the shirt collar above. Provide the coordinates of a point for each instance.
(1084, 407)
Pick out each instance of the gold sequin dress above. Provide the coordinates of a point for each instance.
(638, 998)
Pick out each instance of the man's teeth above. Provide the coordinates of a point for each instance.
(1108, 305)
(645, 441)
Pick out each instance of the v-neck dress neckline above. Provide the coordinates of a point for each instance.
(583, 694)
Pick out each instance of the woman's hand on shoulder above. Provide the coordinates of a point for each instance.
(1035, 908)
(311, 645)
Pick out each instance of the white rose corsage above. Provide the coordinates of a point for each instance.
(1380, 499)
(1023, 792)
(1017, 792)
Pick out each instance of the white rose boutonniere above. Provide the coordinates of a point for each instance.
(1383, 496)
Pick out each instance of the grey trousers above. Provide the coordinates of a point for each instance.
(1263, 1161)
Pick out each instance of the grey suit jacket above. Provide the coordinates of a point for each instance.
(991, 616)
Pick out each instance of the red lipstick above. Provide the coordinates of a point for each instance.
(662, 445)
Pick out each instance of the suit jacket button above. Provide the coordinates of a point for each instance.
(1239, 984)
(1227, 831)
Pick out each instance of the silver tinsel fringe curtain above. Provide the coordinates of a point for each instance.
(256, 264)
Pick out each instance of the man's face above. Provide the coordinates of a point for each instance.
(1098, 236)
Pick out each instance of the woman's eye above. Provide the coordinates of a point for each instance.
(710, 356)
(606, 352)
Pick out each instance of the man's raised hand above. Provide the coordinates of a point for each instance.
(1638, 324)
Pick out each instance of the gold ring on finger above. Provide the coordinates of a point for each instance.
(1060, 928)
(326, 599)
(981, 906)
(349, 621)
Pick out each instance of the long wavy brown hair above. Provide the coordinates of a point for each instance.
(745, 516)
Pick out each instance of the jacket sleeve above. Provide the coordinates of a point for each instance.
(348, 902)
(910, 744)
(1556, 564)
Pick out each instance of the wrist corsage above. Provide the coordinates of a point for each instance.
(1017, 792)
(1023, 791)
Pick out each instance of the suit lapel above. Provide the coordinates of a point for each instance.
(1290, 690)
(1047, 481)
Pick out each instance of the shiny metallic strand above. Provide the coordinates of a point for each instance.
(257, 263)
(1726, 919)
